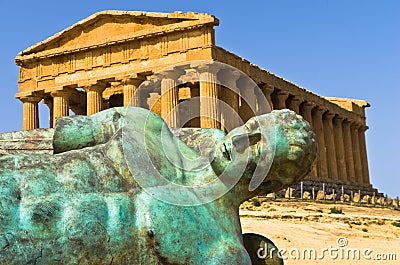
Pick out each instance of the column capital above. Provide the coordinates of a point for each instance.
(267, 89)
(296, 99)
(33, 99)
(189, 76)
(131, 81)
(281, 93)
(94, 86)
(355, 125)
(48, 101)
(329, 116)
(347, 121)
(61, 93)
(282, 96)
(208, 68)
(338, 118)
(173, 73)
(308, 106)
(294, 103)
(319, 110)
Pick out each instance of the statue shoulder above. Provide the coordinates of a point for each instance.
(201, 140)
(77, 132)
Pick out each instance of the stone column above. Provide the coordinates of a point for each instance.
(208, 99)
(356, 152)
(230, 95)
(169, 100)
(348, 149)
(330, 146)
(294, 104)
(130, 86)
(364, 158)
(339, 145)
(322, 169)
(306, 112)
(248, 99)
(267, 90)
(145, 95)
(49, 102)
(94, 98)
(30, 119)
(60, 104)
(279, 99)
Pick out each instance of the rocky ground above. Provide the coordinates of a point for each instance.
(298, 228)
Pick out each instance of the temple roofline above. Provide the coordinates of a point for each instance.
(190, 18)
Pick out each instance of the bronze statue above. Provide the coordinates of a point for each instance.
(120, 188)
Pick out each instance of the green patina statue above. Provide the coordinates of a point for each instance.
(121, 188)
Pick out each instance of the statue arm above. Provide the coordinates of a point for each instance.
(77, 132)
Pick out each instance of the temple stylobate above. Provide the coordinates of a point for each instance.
(101, 61)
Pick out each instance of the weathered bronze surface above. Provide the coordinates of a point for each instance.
(87, 203)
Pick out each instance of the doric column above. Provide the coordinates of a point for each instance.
(130, 86)
(306, 112)
(267, 90)
(339, 145)
(348, 150)
(230, 94)
(30, 119)
(145, 96)
(279, 99)
(364, 158)
(294, 104)
(60, 103)
(330, 146)
(356, 152)
(208, 99)
(49, 103)
(169, 99)
(94, 98)
(248, 98)
(318, 126)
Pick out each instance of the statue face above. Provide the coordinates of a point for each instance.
(282, 136)
(240, 151)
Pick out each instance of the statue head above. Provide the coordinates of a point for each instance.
(280, 147)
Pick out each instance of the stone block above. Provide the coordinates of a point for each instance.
(356, 197)
(332, 196)
(345, 197)
(320, 195)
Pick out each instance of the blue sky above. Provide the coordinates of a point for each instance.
(340, 48)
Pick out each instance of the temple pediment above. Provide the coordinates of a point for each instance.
(115, 26)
